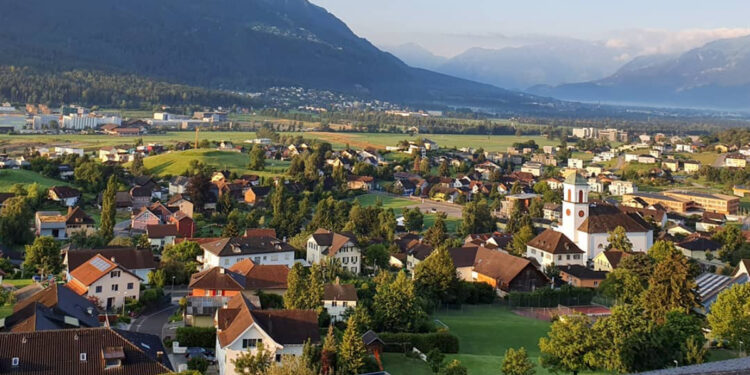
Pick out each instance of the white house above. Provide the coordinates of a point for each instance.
(588, 225)
(324, 244)
(575, 163)
(225, 252)
(160, 235)
(337, 298)
(106, 280)
(241, 328)
(620, 187)
(552, 247)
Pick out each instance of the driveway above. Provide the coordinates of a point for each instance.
(154, 322)
(719, 162)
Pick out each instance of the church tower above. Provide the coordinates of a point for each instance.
(575, 206)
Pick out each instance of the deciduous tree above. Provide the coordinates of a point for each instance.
(43, 256)
(730, 315)
(618, 239)
(568, 342)
(517, 362)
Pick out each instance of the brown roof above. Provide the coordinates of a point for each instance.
(63, 192)
(260, 232)
(130, 258)
(266, 276)
(605, 218)
(582, 272)
(92, 270)
(334, 241)
(243, 275)
(614, 257)
(58, 352)
(421, 251)
(463, 256)
(283, 326)
(499, 265)
(76, 216)
(245, 246)
(655, 214)
(161, 230)
(339, 292)
(217, 278)
(554, 242)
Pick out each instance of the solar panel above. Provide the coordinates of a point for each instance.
(100, 264)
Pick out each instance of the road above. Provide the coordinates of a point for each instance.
(122, 228)
(154, 322)
(719, 162)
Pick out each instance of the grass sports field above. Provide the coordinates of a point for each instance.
(398, 204)
(175, 163)
(10, 177)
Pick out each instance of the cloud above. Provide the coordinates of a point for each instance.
(641, 42)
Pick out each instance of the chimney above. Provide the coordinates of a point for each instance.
(221, 270)
(159, 355)
(112, 259)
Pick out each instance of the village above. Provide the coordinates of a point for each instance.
(195, 254)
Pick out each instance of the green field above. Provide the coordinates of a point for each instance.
(5, 311)
(398, 204)
(400, 364)
(176, 163)
(10, 177)
(18, 283)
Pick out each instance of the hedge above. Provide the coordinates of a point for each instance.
(546, 297)
(204, 337)
(401, 342)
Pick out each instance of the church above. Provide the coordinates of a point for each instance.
(585, 228)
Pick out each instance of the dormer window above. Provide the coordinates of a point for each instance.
(113, 356)
(15, 361)
(82, 357)
(114, 274)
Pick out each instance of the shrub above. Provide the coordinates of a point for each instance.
(399, 342)
(197, 336)
(151, 297)
(198, 363)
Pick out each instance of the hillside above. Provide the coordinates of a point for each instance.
(243, 45)
(712, 76)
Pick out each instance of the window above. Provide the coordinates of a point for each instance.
(256, 259)
(559, 257)
(354, 260)
(354, 269)
(344, 303)
(14, 362)
(278, 357)
(580, 196)
(82, 357)
(567, 257)
(114, 287)
(249, 343)
(334, 303)
(265, 257)
(130, 286)
(346, 260)
(114, 274)
(99, 289)
(274, 258)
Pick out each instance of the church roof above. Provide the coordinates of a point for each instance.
(605, 218)
(576, 179)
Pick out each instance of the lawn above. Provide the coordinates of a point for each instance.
(400, 364)
(177, 162)
(18, 283)
(5, 311)
(706, 158)
(398, 204)
(10, 177)
(486, 332)
(381, 140)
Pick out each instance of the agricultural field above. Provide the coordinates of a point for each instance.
(10, 177)
(176, 163)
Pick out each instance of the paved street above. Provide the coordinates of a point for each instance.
(451, 210)
(154, 322)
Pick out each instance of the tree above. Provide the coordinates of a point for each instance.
(438, 232)
(328, 353)
(670, 287)
(140, 242)
(477, 218)
(109, 206)
(619, 338)
(230, 230)
(376, 256)
(444, 169)
(290, 365)
(568, 342)
(517, 362)
(15, 219)
(454, 368)
(198, 189)
(136, 167)
(395, 304)
(623, 285)
(520, 239)
(730, 315)
(618, 239)
(43, 256)
(257, 158)
(352, 351)
(436, 276)
(536, 208)
(253, 364)
(435, 360)
(296, 286)
(157, 278)
(424, 167)
(413, 219)
(662, 250)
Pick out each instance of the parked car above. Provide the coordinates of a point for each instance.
(196, 352)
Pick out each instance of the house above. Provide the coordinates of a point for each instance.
(671, 165)
(107, 281)
(594, 169)
(575, 163)
(50, 223)
(463, 259)
(240, 328)
(697, 246)
(181, 203)
(337, 298)
(581, 276)
(406, 187)
(507, 273)
(710, 285)
(66, 195)
(178, 185)
(78, 220)
(54, 307)
(226, 252)
(554, 183)
(256, 194)
(608, 260)
(620, 187)
(710, 221)
(738, 190)
(417, 254)
(534, 168)
(324, 245)
(735, 161)
(140, 196)
(554, 248)
(646, 159)
(691, 166)
(144, 218)
(94, 351)
(184, 223)
(139, 262)
(160, 235)
(552, 211)
(360, 183)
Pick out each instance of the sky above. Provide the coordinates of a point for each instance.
(449, 27)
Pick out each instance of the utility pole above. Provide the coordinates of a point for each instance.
(197, 129)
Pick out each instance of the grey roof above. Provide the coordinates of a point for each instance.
(149, 344)
(728, 367)
(369, 337)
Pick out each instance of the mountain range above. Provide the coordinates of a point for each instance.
(242, 45)
(716, 75)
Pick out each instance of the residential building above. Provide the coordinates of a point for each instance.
(226, 252)
(608, 260)
(552, 211)
(620, 187)
(338, 298)
(54, 307)
(139, 262)
(417, 254)
(671, 165)
(545, 159)
(256, 194)
(240, 328)
(581, 276)
(534, 168)
(575, 163)
(360, 183)
(65, 195)
(50, 223)
(86, 121)
(90, 351)
(741, 190)
(178, 185)
(181, 203)
(697, 246)
(77, 220)
(110, 283)
(642, 199)
(324, 245)
(506, 273)
(464, 259)
(647, 159)
(735, 161)
(161, 235)
(554, 248)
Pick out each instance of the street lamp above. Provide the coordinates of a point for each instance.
(173, 283)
